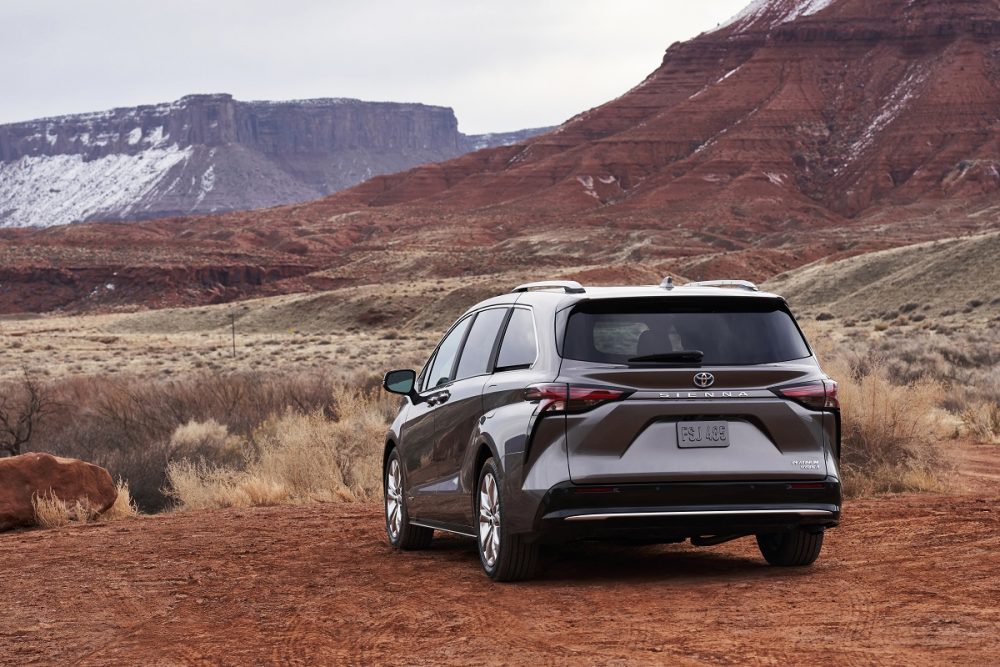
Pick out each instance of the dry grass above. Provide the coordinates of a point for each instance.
(890, 431)
(167, 343)
(296, 458)
(53, 512)
(982, 421)
(123, 508)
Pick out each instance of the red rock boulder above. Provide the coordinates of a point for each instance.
(23, 477)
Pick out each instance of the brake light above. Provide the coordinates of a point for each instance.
(564, 398)
(818, 395)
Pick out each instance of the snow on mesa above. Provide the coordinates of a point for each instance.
(785, 11)
(60, 189)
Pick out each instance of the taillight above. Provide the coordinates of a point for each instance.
(818, 395)
(563, 398)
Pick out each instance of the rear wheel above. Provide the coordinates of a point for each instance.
(400, 531)
(791, 548)
(504, 557)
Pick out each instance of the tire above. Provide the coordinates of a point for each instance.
(793, 548)
(504, 557)
(401, 533)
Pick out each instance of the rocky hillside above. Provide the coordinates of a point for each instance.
(945, 276)
(211, 153)
(795, 112)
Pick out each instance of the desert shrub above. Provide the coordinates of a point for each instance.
(982, 421)
(297, 457)
(206, 440)
(825, 316)
(889, 431)
(134, 427)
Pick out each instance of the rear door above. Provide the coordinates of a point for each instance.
(456, 419)
(699, 374)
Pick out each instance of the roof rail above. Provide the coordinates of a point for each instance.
(741, 284)
(569, 286)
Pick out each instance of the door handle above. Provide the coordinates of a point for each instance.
(438, 398)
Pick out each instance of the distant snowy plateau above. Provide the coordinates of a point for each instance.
(211, 153)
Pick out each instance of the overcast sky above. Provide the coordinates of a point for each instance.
(502, 65)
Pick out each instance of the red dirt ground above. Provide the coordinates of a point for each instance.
(909, 579)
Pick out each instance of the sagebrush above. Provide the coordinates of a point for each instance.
(890, 431)
(297, 457)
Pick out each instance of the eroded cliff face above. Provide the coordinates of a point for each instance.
(812, 110)
(211, 153)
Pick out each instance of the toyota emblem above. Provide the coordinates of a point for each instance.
(704, 380)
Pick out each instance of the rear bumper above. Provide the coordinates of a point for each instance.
(679, 510)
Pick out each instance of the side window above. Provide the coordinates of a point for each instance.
(424, 373)
(444, 359)
(519, 348)
(479, 346)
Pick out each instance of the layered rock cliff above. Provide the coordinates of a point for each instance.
(211, 153)
(817, 110)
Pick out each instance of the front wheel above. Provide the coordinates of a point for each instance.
(400, 531)
(792, 548)
(504, 557)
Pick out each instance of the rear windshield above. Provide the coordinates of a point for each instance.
(727, 331)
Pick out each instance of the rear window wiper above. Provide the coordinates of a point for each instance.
(692, 356)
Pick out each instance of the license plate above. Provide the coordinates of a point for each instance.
(702, 434)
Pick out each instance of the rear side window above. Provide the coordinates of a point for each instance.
(444, 359)
(519, 347)
(727, 331)
(479, 345)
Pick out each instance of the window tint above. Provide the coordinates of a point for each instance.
(479, 345)
(444, 360)
(728, 331)
(519, 347)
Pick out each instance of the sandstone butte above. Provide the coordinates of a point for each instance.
(803, 129)
(28, 475)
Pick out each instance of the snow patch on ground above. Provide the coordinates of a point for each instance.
(588, 185)
(156, 137)
(134, 136)
(898, 99)
(207, 184)
(61, 189)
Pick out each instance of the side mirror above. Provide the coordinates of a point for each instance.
(400, 382)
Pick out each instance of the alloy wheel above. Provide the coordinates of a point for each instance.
(394, 499)
(489, 519)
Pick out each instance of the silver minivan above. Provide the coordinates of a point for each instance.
(652, 414)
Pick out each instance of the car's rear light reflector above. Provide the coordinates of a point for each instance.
(807, 485)
(595, 489)
(818, 395)
(557, 397)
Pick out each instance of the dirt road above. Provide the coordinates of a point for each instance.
(906, 580)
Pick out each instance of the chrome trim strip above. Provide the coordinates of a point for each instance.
(617, 515)
(446, 530)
